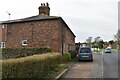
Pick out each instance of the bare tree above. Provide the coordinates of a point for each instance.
(117, 36)
(97, 39)
(89, 40)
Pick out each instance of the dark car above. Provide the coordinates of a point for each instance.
(108, 50)
(85, 53)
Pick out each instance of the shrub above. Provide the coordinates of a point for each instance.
(73, 53)
(22, 52)
(67, 56)
(77, 48)
(35, 66)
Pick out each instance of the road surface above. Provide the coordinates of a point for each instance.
(104, 66)
(110, 65)
(0, 64)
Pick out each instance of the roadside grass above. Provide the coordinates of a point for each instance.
(119, 51)
(100, 50)
(52, 73)
(66, 64)
(55, 71)
(116, 51)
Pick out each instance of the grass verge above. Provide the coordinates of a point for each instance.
(53, 72)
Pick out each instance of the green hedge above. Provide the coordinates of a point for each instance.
(35, 66)
(22, 52)
(67, 56)
(73, 53)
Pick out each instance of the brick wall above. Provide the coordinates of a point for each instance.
(0, 33)
(69, 40)
(68, 37)
(38, 34)
(45, 33)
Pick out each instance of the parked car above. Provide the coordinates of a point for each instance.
(85, 53)
(107, 50)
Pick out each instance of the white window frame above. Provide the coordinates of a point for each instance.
(3, 26)
(69, 47)
(2, 44)
(24, 42)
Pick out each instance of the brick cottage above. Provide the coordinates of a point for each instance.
(41, 30)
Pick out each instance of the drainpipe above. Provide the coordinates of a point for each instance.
(62, 39)
(61, 36)
(5, 32)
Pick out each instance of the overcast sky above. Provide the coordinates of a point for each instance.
(86, 18)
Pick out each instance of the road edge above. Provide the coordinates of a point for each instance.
(61, 74)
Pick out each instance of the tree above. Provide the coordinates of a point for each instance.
(111, 42)
(117, 39)
(100, 43)
(97, 39)
(117, 36)
(89, 39)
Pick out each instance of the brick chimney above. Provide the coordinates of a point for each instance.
(44, 9)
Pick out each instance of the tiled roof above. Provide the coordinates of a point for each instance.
(33, 18)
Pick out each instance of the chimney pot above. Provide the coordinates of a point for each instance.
(47, 4)
(43, 4)
(44, 9)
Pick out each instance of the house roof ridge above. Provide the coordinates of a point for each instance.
(31, 18)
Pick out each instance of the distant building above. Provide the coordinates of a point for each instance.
(41, 30)
(80, 44)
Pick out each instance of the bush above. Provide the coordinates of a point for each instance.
(73, 53)
(22, 52)
(77, 48)
(67, 56)
(35, 66)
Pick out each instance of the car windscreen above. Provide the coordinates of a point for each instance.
(108, 49)
(85, 50)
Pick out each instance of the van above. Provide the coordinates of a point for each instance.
(85, 53)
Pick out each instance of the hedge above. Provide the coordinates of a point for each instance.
(22, 52)
(35, 66)
(66, 56)
(73, 53)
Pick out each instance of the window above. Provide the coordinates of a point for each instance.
(2, 44)
(24, 42)
(69, 47)
(3, 26)
(85, 50)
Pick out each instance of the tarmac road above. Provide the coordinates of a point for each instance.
(110, 65)
(86, 69)
(104, 66)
